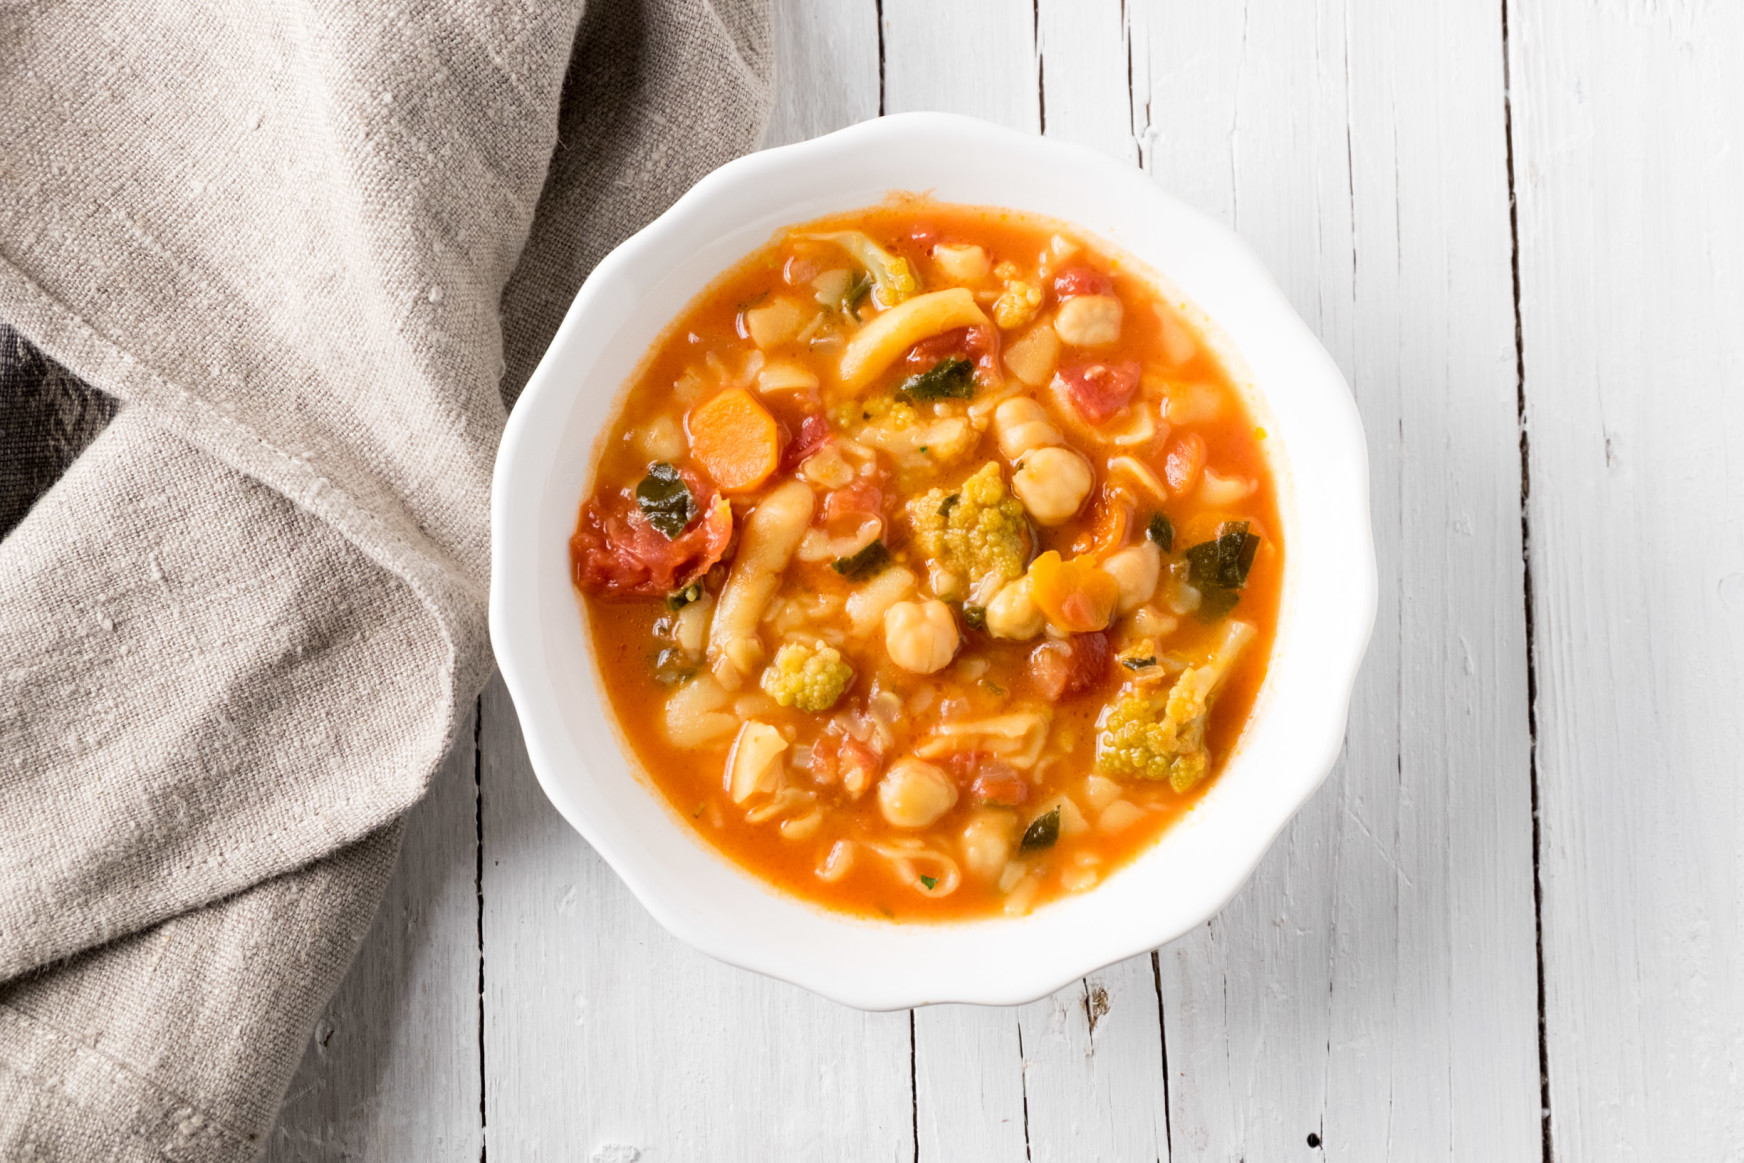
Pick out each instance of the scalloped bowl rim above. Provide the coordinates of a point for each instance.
(543, 469)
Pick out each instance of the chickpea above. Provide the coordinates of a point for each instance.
(1021, 425)
(1135, 569)
(1012, 613)
(1089, 320)
(920, 636)
(913, 794)
(987, 843)
(1052, 484)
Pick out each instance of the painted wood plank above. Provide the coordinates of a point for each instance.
(608, 1039)
(1077, 1076)
(1629, 170)
(392, 1071)
(1374, 985)
(826, 59)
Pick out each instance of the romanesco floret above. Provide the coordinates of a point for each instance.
(1017, 305)
(1149, 735)
(811, 678)
(977, 530)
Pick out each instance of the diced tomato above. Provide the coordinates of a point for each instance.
(999, 783)
(853, 503)
(616, 553)
(1082, 281)
(814, 433)
(1107, 531)
(1099, 390)
(978, 344)
(1061, 669)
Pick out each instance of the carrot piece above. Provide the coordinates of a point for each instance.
(1076, 595)
(735, 440)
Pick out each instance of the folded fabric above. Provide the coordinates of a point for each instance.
(313, 250)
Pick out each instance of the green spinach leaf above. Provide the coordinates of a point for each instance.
(666, 499)
(952, 378)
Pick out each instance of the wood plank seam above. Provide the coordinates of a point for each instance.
(478, 899)
(1547, 1148)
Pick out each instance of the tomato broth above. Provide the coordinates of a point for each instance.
(933, 562)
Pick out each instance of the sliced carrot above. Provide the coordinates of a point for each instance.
(735, 440)
(1075, 595)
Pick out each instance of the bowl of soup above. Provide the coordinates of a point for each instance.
(930, 563)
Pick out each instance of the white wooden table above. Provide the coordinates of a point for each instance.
(1511, 926)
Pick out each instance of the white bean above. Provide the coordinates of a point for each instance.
(1021, 425)
(1089, 320)
(920, 636)
(987, 843)
(913, 794)
(1135, 569)
(1052, 484)
(1012, 613)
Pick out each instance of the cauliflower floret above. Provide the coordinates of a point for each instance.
(1146, 734)
(811, 678)
(920, 442)
(971, 533)
(1017, 304)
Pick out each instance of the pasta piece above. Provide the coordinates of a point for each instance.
(754, 763)
(694, 714)
(772, 533)
(880, 342)
(867, 605)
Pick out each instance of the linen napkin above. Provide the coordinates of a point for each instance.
(314, 250)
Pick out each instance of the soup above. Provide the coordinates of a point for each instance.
(932, 563)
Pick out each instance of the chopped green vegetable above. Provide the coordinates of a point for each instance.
(929, 881)
(952, 378)
(810, 678)
(1144, 663)
(678, 599)
(975, 616)
(949, 503)
(1149, 734)
(666, 499)
(1042, 832)
(894, 276)
(870, 561)
(1161, 531)
(1218, 568)
(856, 293)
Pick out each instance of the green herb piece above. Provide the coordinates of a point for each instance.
(994, 687)
(929, 881)
(975, 616)
(672, 667)
(698, 811)
(1042, 832)
(1139, 663)
(1161, 531)
(949, 503)
(678, 599)
(856, 293)
(952, 378)
(1218, 568)
(870, 561)
(666, 499)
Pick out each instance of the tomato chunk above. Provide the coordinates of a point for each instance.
(617, 553)
(1082, 281)
(814, 433)
(1099, 390)
(999, 783)
(1061, 669)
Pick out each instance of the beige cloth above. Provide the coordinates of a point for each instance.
(313, 248)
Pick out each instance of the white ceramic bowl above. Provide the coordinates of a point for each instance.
(543, 471)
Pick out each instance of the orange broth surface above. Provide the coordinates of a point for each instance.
(897, 800)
